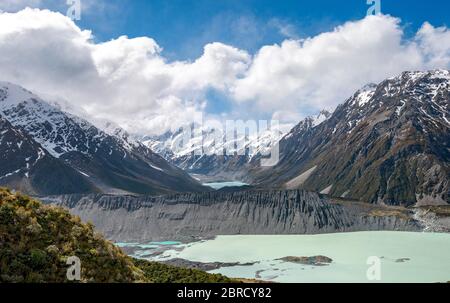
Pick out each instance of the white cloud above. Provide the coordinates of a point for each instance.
(284, 28)
(435, 45)
(130, 81)
(320, 72)
(125, 80)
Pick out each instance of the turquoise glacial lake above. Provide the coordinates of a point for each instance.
(220, 185)
(392, 257)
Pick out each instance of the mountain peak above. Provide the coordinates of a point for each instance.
(107, 161)
(411, 78)
(11, 94)
(437, 73)
(387, 143)
(321, 117)
(309, 123)
(363, 95)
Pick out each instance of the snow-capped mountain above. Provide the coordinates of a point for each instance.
(212, 153)
(388, 143)
(26, 165)
(99, 161)
(309, 123)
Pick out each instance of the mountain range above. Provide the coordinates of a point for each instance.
(388, 143)
(45, 150)
(212, 153)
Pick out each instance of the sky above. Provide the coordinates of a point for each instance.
(183, 27)
(171, 60)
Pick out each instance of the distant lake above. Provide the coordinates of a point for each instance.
(403, 256)
(220, 185)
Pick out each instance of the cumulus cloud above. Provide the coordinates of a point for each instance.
(321, 71)
(130, 82)
(435, 45)
(124, 80)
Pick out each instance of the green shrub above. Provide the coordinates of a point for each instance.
(38, 258)
(36, 240)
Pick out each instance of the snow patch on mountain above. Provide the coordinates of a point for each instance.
(398, 130)
(207, 141)
(112, 158)
(309, 123)
(59, 132)
(364, 95)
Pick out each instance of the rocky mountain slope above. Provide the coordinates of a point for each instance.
(49, 151)
(26, 165)
(188, 216)
(388, 143)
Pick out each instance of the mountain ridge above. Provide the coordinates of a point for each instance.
(109, 163)
(194, 157)
(387, 143)
(192, 216)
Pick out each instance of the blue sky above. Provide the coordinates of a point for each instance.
(183, 27)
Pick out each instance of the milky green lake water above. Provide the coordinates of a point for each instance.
(220, 185)
(426, 256)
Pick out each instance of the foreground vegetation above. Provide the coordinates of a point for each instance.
(36, 240)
